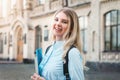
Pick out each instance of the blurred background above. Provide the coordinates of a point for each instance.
(25, 26)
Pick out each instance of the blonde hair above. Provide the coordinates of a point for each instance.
(72, 35)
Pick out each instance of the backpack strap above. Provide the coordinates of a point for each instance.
(47, 48)
(65, 65)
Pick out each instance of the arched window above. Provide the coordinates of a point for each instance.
(38, 37)
(112, 31)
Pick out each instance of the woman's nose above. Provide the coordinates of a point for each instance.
(58, 23)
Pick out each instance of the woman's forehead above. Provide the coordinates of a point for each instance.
(62, 15)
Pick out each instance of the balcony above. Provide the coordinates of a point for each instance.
(54, 5)
(38, 10)
(73, 3)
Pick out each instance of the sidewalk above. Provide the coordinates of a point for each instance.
(8, 62)
(102, 75)
(15, 71)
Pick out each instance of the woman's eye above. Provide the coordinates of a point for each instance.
(65, 22)
(56, 19)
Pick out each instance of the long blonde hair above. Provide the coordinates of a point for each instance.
(72, 35)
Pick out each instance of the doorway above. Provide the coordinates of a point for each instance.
(19, 46)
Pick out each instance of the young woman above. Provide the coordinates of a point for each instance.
(65, 33)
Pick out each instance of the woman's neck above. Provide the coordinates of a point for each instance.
(59, 38)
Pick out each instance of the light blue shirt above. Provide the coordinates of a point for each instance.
(52, 63)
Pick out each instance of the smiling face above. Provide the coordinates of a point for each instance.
(60, 25)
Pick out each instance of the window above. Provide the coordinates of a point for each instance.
(1, 43)
(112, 31)
(38, 37)
(41, 1)
(24, 38)
(5, 41)
(4, 8)
(65, 3)
(46, 35)
(13, 2)
(83, 29)
(53, 0)
(93, 41)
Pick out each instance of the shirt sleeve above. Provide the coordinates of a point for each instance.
(75, 65)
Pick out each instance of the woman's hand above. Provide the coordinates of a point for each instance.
(35, 76)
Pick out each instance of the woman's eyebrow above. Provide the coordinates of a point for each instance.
(61, 18)
(65, 19)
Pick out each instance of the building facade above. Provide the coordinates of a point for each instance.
(26, 25)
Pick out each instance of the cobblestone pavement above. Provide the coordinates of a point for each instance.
(19, 71)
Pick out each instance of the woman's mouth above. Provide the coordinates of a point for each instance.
(58, 29)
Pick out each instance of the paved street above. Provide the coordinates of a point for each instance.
(18, 71)
(103, 76)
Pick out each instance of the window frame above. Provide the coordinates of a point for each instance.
(111, 26)
(83, 30)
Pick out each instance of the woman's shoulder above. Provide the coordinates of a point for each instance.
(74, 52)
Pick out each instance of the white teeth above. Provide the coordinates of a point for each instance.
(58, 29)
